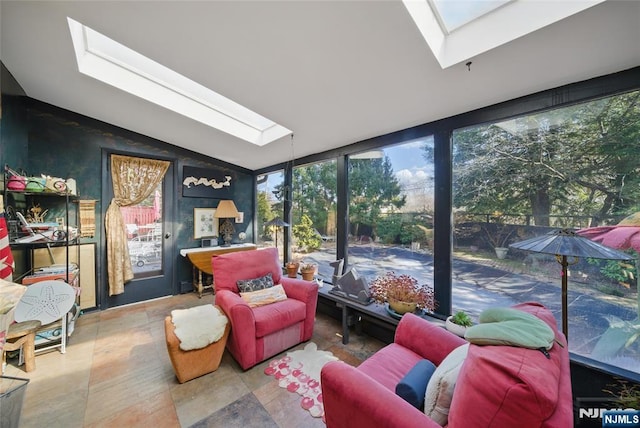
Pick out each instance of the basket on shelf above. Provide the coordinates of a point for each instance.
(16, 182)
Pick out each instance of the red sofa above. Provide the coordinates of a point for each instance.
(497, 386)
(262, 332)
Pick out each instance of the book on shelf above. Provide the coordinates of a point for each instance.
(59, 272)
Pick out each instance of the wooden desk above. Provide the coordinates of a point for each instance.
(200, 258)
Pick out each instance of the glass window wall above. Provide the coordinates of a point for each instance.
(313, 215)
(573, 167)
(391, 200)
(271, 193)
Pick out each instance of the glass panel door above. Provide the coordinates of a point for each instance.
(144, 234)
(150, 242)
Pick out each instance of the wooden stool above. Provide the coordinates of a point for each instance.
(24, 334)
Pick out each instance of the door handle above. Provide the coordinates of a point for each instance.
(167, 235)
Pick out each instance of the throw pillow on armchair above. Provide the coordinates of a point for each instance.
(413, 385)
(439, 393)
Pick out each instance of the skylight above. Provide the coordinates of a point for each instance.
(106, 60)
(458, 30)
(456, 13)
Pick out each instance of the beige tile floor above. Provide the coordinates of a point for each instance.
(117, 373)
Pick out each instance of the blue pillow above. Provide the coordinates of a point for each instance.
(414, 384)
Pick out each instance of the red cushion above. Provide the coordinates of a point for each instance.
(279, 315)
(396, 360)
(504, 389)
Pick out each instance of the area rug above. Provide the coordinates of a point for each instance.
(299, 371)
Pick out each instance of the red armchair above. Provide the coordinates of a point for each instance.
(498, 386)
(262, 332)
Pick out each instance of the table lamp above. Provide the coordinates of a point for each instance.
(226, 210)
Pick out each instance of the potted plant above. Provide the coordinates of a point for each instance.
(499, 236)
(292, 269)
(307, 270)
(458, 323)
(402, 293)
(626, 394)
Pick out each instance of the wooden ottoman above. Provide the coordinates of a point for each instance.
(195, 363)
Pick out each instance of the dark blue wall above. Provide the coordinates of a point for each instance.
(44, 139)
(13, 121)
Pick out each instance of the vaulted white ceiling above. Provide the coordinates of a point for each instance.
(333, 72)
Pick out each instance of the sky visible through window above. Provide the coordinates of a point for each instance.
(456, 13)
(414, 173)
(409, 165)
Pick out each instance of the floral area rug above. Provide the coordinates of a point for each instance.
(299, 371)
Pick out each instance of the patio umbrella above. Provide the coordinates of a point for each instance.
(277, 222)
(565, 243)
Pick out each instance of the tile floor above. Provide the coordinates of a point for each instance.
(116, 373)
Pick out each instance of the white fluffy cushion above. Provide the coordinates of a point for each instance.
(199, 326)
(437, 398)
(264, 297)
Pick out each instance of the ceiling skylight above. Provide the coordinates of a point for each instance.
(455, 33)
(456, 13)
(104, 59)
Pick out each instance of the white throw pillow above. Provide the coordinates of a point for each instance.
(264, 297)
(437, 398)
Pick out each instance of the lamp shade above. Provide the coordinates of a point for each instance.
(226, 209)
(565, 242)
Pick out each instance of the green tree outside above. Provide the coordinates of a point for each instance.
(305, 234)
(580, 159)
(265, 214)
(373, 188)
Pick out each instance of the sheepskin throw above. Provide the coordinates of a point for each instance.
(199, 326)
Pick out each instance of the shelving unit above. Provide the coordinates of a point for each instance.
(30, 239)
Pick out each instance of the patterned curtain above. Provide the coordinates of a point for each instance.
(133, 181)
